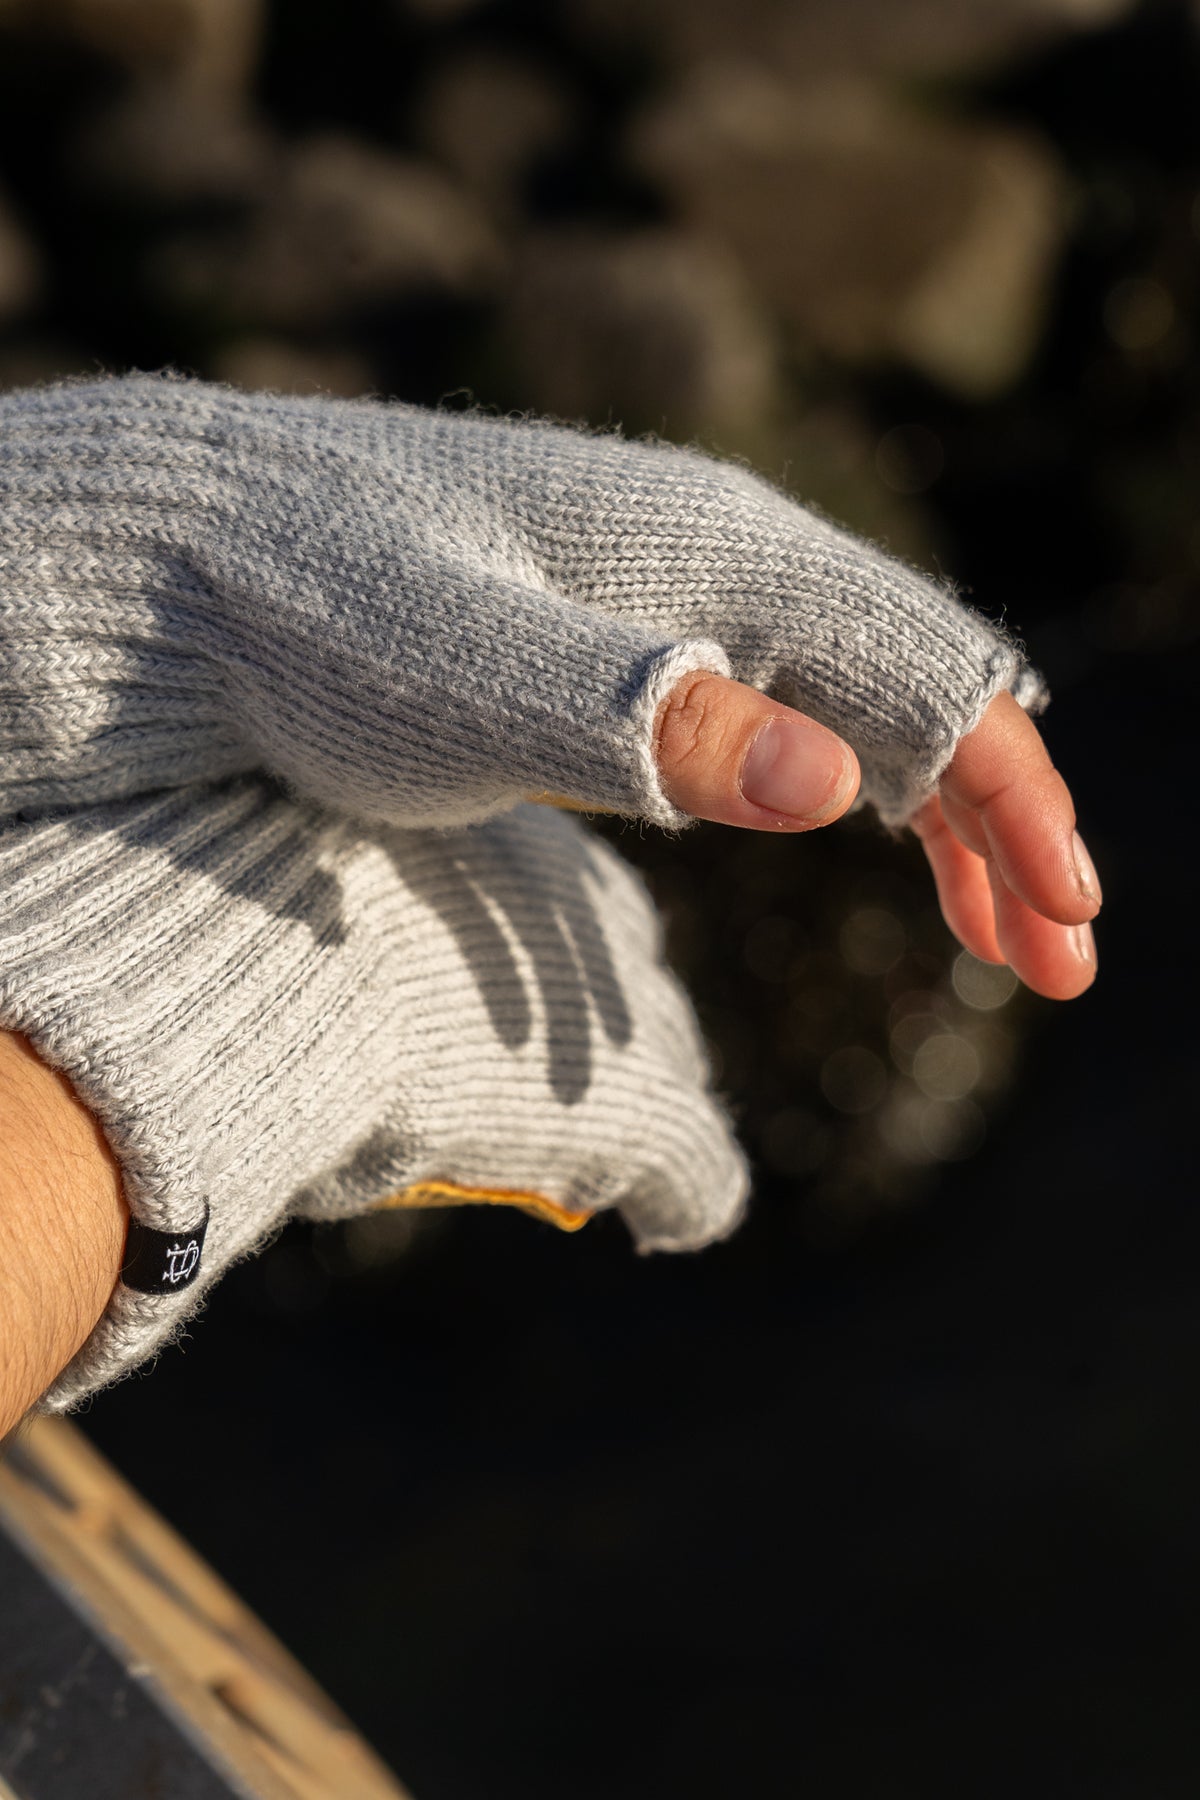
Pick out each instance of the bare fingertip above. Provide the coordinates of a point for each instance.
(1083, 942)
(1085, 872)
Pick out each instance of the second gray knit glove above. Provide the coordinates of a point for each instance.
(421, 617)
(273, 1012)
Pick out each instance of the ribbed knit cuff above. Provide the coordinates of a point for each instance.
(272, 1012)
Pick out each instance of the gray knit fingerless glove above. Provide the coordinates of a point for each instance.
(421, 617)
(274, 1012)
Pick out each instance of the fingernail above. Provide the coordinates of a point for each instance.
(1084, 944)
(795, 768)
(1085, 871)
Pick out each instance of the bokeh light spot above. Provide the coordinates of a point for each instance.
(952, 1130)
(908, 1034)
(872, 940)
(1138, 313)
(985, 986)
(946, 1067)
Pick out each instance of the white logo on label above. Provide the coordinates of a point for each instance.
(181, 1260)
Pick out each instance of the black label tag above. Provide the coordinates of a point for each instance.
(162, 1262)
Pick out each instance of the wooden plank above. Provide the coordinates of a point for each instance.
(77, 1717)
(164, 1610)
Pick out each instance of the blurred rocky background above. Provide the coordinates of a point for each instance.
(554, 1523)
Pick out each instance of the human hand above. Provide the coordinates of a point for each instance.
(1014, 880)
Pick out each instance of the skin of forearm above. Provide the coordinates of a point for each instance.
(62, 1225)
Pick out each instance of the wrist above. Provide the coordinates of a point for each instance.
(62, 1225)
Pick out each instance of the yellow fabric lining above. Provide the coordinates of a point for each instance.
(450, 1193)
(565, 805)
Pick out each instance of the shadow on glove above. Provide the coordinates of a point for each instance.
(526, 940)
(274, 1012)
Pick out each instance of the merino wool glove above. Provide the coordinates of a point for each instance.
(421, 617)
(275, 1012)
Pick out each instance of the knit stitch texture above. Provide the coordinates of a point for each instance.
(275, 1012)
(420, 617)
